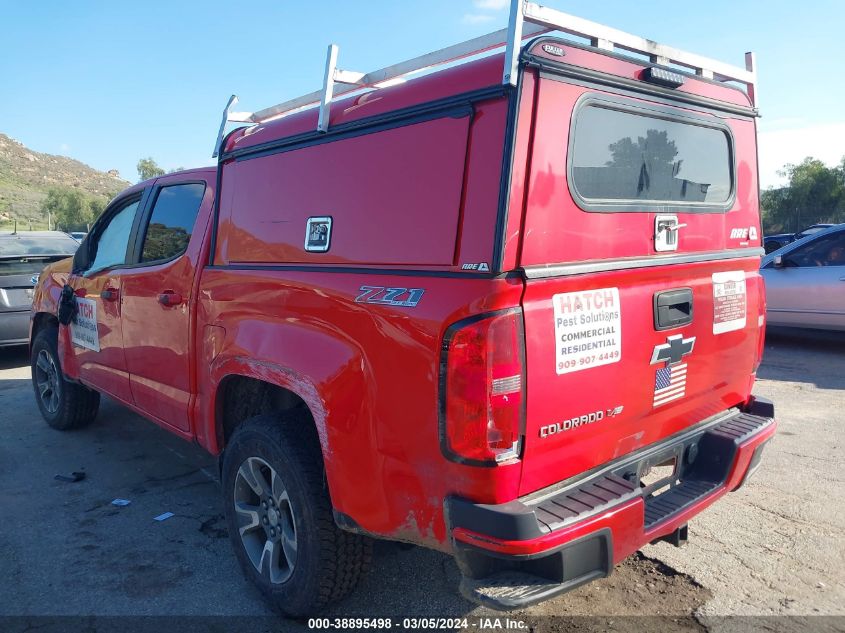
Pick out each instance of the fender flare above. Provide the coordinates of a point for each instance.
(274, 374)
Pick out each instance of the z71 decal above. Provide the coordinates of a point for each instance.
(400, 297)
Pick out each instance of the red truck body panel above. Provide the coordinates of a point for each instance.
(381, 451)
(419, 191)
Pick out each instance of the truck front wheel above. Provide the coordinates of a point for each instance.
(63, 404)
(279, 516)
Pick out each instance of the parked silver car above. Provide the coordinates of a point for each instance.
(23, 256)
(805, 281)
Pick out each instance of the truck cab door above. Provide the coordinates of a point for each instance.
(158, 297)
(96, 338)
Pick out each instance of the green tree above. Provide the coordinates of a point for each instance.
(68, 207)
(71, 209)
(652, 159)
(655, 145)
(148, 168)
(97, 206)
(815, 193)
(164, 241)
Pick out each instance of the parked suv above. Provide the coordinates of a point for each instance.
(23, 255)
(510, 310)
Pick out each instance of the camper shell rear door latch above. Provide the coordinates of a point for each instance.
(666, 233)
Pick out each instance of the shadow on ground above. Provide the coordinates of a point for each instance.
(68, 540)
(13, 357)
(810, 356)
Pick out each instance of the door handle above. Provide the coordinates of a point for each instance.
(109, 294)
(170, 298)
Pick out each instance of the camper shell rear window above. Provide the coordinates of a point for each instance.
(625, 157)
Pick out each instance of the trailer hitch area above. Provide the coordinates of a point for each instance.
(677, 538)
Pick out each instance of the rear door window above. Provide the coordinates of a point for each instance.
(172, 221)
(625, 157)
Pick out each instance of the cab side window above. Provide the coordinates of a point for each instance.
(171, 221)
(824, 251)
(110, 246)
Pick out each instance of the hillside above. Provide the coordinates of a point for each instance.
(26, 176)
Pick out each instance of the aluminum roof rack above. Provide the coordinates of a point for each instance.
(526, 19)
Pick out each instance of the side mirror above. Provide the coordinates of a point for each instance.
(778, 261)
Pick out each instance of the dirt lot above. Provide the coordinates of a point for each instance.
(774, 548)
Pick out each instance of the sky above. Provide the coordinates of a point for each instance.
(111, 82)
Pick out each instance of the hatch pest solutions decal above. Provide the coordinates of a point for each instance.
(83, 328)
(729, 301)
(588, 329)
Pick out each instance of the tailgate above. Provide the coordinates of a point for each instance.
(605, 375)
(594, 392)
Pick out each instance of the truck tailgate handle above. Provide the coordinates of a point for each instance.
(169, 298)
(672, 308)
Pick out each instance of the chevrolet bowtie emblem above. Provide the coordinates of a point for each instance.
(673, 350)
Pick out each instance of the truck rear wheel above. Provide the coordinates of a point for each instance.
(279, 516)
(64, 405)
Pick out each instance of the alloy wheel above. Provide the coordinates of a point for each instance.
(47, 381)
(265, 520)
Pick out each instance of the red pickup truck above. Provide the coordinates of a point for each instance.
(512, 316)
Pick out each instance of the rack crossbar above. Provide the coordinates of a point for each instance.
(371, 79)
(527, 19)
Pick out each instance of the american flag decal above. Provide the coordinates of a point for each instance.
(670, 383)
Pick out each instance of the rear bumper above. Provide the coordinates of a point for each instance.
(531, 549)
(14, 328)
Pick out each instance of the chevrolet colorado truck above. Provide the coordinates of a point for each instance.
(508, 309)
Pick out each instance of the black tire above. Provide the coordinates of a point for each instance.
(67, 405)
(328, 562)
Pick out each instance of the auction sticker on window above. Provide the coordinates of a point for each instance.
(83, 328)
(729, 301)
(588, 329)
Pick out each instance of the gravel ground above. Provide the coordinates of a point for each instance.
(777, 546)
(774, 548)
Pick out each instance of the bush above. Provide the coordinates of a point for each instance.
(72, 209)
(815, 193)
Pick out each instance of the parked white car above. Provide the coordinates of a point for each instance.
(805, 281)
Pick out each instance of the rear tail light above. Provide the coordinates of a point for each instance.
(482, 389)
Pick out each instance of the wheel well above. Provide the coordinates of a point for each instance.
(41, 321)
(240, 398)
